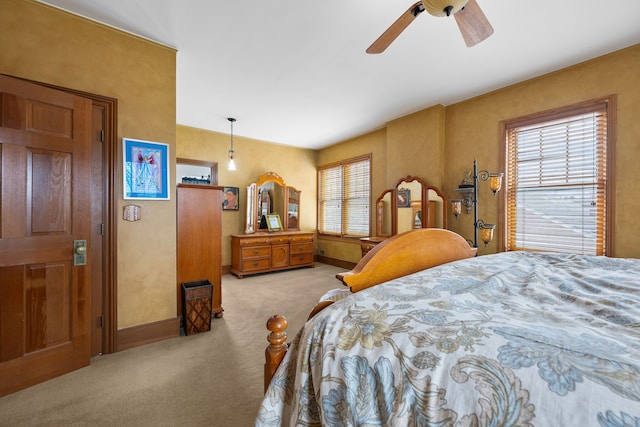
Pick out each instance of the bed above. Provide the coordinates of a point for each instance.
(509, 339)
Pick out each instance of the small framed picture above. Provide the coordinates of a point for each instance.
(404, 197)
(273, 222)
(146, 171)
(231, 199)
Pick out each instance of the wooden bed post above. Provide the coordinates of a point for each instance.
(277, 347)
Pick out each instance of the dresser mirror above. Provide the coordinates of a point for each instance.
(437, 208)
(385, 225)
(293, 209)
(269, 195)
(410, 204)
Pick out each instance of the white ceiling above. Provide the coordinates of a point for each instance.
(295, 72)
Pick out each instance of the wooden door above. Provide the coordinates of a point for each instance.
(45, 301)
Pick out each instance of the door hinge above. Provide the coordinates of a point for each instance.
(101, 321)
(102, 229)
(102, 135)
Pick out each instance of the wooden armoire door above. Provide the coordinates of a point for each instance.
(199, 240)
(45, 300)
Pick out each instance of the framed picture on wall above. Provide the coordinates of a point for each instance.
(145, 169)
(404, 197)
(231, 199)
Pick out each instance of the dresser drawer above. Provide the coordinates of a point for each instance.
(303, 238)
(301, 259)
(255, 241)
(256, 252)
(279, 240)
(256, 264)
(298, 248)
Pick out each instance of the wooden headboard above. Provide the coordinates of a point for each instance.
(406, 253)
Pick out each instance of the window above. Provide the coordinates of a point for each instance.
(556, 185)
(344, 196)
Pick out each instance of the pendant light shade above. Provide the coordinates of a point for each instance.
(232, 162)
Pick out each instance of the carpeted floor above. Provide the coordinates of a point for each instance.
(209, 379)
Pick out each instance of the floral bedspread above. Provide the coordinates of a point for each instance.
(511, 339)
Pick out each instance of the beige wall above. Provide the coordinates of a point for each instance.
(41, 43)
(441, 142)
(253, 158)
(472, 129)
(411, 145)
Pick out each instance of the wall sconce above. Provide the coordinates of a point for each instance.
(495, 182)
(469, 189)
(232, 162)
(486, 232)
(456, 207)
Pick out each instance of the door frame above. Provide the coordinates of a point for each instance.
(109, 241)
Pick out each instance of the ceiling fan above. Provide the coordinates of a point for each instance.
(473, 24)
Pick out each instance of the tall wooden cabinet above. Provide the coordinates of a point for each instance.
(199, 236)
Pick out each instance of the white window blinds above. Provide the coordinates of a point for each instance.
(556, 184)
(344, 198)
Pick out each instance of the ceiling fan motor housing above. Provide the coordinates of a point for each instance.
(443, 7)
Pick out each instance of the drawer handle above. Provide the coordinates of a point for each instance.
(256, 252)
(255, 264)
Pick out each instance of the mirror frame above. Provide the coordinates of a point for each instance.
(379, 214)
(252, 207)
(423, 207)
(263, 179)
(252, 216)
(423, 201)
(444, 205)
(287, 196)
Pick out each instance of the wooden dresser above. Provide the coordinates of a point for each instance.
(264, 252)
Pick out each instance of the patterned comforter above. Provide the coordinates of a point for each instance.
(511, 339)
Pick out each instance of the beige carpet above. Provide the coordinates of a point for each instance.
(209, 379)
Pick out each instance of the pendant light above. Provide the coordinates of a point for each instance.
(232, 162)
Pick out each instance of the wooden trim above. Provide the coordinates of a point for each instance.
(347, 265)
(609, 104)
(348, 161)
(148, 333)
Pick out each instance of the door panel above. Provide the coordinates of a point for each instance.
(45, 300)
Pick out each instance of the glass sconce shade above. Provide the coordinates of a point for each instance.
(486, 233)
(232, 162)
(495, 182)
(456, 207)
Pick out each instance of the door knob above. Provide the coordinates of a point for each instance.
(79, 252)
